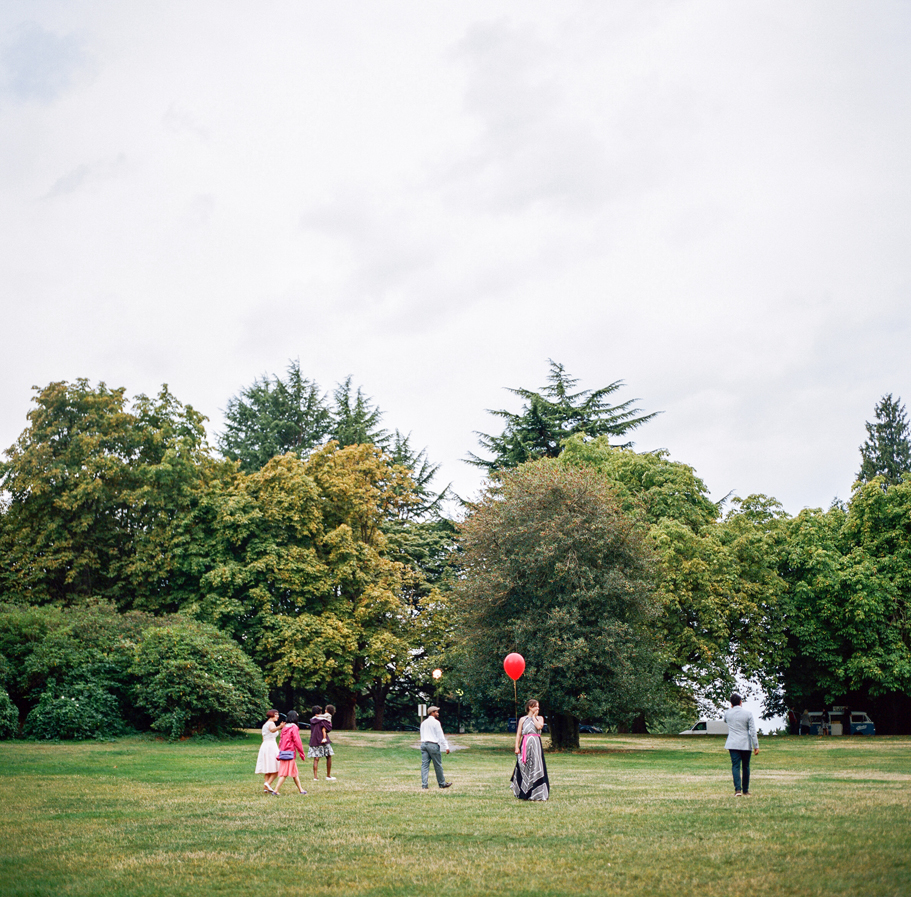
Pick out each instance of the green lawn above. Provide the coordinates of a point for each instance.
(640, 815)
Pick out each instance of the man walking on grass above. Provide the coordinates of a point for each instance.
(741, 738)
(433, 742)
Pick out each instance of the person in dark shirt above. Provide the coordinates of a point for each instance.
(320, 745)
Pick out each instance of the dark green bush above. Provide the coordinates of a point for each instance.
(191, 678)
(78, 710)
(9, 716)
(91, 672)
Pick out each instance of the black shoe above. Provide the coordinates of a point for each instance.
(446, 785)
(423, 787)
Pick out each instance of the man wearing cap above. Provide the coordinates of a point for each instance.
(433, 742)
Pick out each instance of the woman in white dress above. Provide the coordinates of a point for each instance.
(267, 761)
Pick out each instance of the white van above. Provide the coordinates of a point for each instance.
(708, 727)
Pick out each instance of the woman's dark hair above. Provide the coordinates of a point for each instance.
(316, 710)
(292, 716)
(735, 699)
(529, 702)
(271, 713)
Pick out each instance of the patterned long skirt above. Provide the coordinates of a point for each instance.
(529, 779)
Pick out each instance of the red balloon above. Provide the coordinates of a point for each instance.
(514, 665)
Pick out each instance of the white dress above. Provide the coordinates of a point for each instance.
(267, 761)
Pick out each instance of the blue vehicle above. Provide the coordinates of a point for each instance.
(861, 724)
(832, 723)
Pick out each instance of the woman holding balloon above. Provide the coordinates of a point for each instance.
(529, 778)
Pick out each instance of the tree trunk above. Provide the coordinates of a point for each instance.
(564, 732)
(379, 707)
(345, 715)
(639, 727)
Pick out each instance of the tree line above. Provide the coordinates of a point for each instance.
(156, 581)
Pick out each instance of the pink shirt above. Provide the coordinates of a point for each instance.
(291, 740)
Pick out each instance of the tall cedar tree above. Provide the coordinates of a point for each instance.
(291, 414)
(887, 451)
(551, 416)
(275, 416)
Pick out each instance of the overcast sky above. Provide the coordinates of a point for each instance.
(707, 200)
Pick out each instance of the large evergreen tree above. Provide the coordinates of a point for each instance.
(887, 451)
(273, 416)
(277, 415)
(551, 416)
(356, 418)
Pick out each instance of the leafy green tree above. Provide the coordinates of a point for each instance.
(848, 604)
(357, 634)
(553, 568)
(274, 416)
(551, 416)
(887, 451)
(648, 484)
(300, 571)
(718, 584)
(93, 488)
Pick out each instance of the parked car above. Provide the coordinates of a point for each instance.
(707, 727)
(590, 730)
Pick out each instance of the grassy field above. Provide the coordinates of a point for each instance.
(628, 815)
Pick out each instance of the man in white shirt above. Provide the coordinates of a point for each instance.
(433, 742)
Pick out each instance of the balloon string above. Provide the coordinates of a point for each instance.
(515, 703)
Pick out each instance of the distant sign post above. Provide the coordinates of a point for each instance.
(422, 711)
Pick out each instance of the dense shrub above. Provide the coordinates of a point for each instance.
(9, 716)
(192, 678)
(91, 672)
(79, 710)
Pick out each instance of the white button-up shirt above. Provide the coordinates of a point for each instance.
(431, 730)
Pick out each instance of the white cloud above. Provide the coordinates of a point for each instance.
(707, 200)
